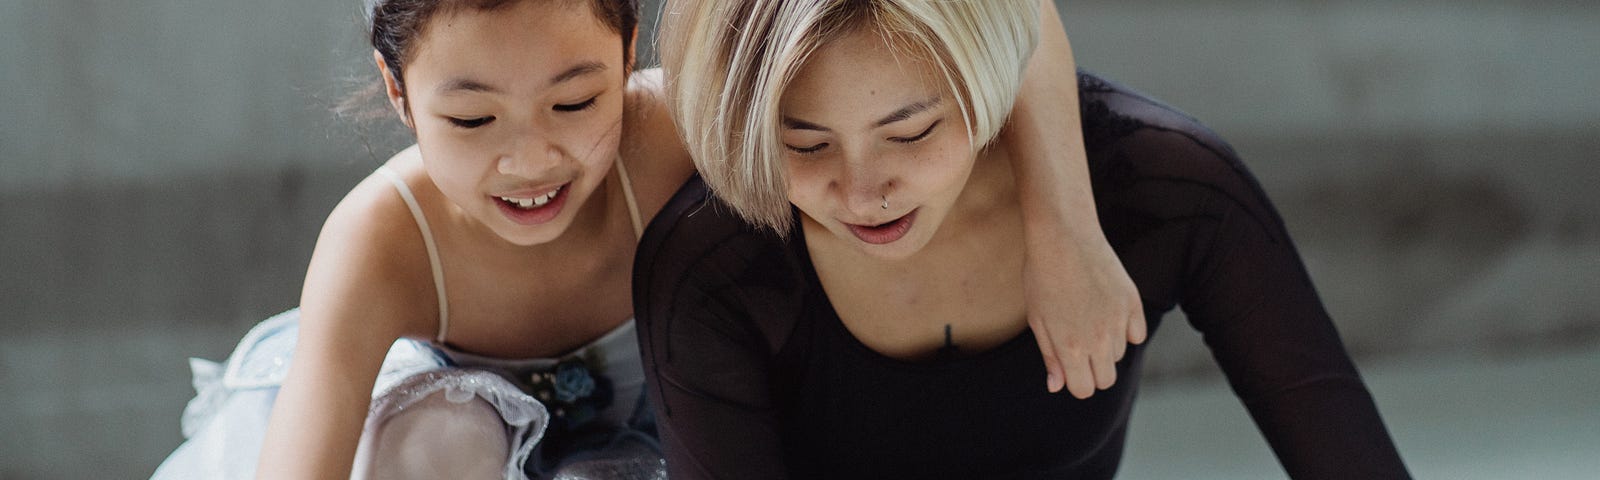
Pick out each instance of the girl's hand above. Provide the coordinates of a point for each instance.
(1083, 309)
(1082, 306)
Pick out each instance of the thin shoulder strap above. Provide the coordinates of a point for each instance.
(633, 204)
(427, 240)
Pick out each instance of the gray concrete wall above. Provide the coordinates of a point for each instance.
(165, 165)
(1434, 160)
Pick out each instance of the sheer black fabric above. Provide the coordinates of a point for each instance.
(753, 375)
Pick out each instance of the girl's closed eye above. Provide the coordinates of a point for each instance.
(576, 107)
(470, 123)
(919, 136)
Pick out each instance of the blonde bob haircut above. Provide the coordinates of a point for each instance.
(728, 63)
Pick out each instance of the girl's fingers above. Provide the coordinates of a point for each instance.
(1137, 329)
(1080, 377)
(1118, 345)
(1054, 379)
(1105, 371)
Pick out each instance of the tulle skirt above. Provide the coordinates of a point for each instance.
(464, 420)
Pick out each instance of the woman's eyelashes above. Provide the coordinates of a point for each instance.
(809, 149)
(911, 139)
(919, 136)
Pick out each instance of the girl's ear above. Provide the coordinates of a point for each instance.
(391, 88)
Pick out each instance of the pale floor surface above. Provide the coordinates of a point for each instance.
(1453, 416)
(116, 399)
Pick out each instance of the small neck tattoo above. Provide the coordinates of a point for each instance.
(949, 349)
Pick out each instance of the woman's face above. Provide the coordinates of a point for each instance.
(865, 122)
(518, 112)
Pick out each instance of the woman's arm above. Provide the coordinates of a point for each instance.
(707, 363)
(1082, 306)
(709, 384)
(352, 309)
(1250, 295)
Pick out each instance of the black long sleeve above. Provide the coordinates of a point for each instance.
(753, 376)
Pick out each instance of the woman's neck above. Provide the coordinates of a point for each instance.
(968, 278)
(985, 220)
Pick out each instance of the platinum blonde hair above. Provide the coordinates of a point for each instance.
(728, 63)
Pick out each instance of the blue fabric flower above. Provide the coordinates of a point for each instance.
(573, 393)
(573, 382)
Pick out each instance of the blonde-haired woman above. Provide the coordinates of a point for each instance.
(849, 303)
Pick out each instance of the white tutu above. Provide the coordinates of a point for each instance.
(225, 423)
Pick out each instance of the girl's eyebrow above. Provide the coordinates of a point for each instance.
(463, 84)
(456, 85)
(578, 70)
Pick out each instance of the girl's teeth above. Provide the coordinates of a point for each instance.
(538, 201)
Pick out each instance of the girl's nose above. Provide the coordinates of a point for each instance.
(532, 161)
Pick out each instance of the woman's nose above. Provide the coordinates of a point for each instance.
(863, 187)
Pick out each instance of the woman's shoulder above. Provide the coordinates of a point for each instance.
(1137, 144)
(695, 229)
(700, 242)
(701, 260)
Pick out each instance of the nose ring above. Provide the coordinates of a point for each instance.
(885, 202)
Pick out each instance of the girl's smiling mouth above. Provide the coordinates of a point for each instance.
(533, 209)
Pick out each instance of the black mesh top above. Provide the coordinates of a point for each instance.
(753, 375)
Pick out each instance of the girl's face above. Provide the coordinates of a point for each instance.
(865, 123)
(518, 112)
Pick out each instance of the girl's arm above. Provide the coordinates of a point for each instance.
(348, 320)
(1082, 305)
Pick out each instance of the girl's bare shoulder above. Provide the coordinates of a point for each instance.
(651, 148)
(647, 122)
(370, 259)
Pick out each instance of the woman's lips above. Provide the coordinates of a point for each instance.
(885, 233)
(535, 215)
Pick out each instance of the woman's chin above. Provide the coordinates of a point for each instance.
(902, 248)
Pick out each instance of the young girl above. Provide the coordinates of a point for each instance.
(848, 306)
(437, 332)
(466, 310)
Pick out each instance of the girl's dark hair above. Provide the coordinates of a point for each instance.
(395, 25)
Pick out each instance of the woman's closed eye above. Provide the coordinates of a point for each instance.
(474, 122)
(807, 149)
(576, 107)
(919, 136)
